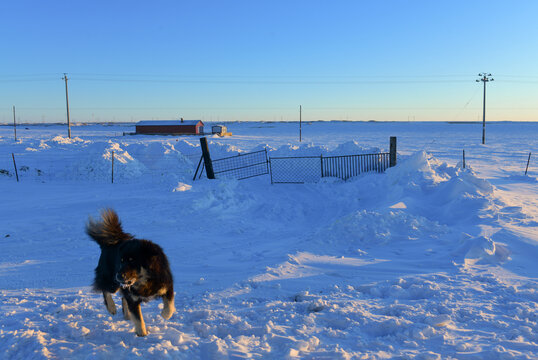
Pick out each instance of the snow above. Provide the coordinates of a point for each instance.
(428, 260)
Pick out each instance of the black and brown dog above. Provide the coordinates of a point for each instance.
(139, 268)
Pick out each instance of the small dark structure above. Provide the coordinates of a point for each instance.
(170, 127)
(220, 130)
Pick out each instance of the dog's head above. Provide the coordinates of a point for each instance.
(130, 265)
(137, 260)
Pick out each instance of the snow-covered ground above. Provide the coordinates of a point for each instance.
(426, 261)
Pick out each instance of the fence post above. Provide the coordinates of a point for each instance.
(321, 159)
(271, 170)
(15, 166)
(266, 161)
(464, 158)
(528, 161)
(207, 158)
(112, 166)
(14, 123)
(198, 167)
(392, 156)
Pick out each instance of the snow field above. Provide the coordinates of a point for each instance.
(426, 261)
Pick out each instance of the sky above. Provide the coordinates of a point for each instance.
(259, 60)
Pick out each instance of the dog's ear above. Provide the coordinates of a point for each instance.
(155, 263)
(152, 255)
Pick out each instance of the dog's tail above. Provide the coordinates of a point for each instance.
(108, 231)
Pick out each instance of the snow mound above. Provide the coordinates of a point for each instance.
(373, 228)
(182, 187)
(65, 140)
(352, 148)
(309, 149)
(221, 150)
(125, 166)
(224, 199)
(163, 161)
(421, 169)
(482, 250)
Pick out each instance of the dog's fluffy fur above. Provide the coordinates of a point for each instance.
(138, 268)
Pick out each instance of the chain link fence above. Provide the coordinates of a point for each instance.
(295, 170)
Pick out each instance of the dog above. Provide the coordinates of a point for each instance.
(138, 268)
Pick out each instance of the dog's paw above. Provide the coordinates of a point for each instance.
(125, 309)
(109, 303)
(168, 311)
(141, 332)
(111, 307)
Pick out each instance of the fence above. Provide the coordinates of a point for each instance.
(308, 169)
(347, 166)
(106, 167)
(242, 166)
(293, 170)
(141, 163)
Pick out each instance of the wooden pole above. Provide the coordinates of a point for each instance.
(67, 107)
(392, 155)
(300, 122)
(484, 77)
(464, 158)
(112, 167)
(15, 166)
(207, 158)
(484, 115)
(528, 161)
(14, 123)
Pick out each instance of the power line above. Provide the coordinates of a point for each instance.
(276, 82)
(291, 108)
(28, 80)
(265, 76)
(265, 79)
(289, 78)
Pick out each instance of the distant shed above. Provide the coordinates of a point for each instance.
(220, 130)
(170, 127)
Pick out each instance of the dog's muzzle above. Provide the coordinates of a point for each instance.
(124, 283)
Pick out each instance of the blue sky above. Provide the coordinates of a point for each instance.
(259, 60)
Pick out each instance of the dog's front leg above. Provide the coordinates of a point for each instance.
(168, 302)
(125, 309)
(109, 303)
(136, 317)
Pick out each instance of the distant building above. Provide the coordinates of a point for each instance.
(220, 130)
(170, 127)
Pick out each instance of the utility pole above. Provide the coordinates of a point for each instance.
(67, 106)
(300, 122)
(14, 123)
(484, 78)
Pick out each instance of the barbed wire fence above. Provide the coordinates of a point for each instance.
(110, 166)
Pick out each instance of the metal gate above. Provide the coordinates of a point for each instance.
(242, 166)
(310, 169)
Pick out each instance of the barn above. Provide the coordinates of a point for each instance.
(170, 127)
